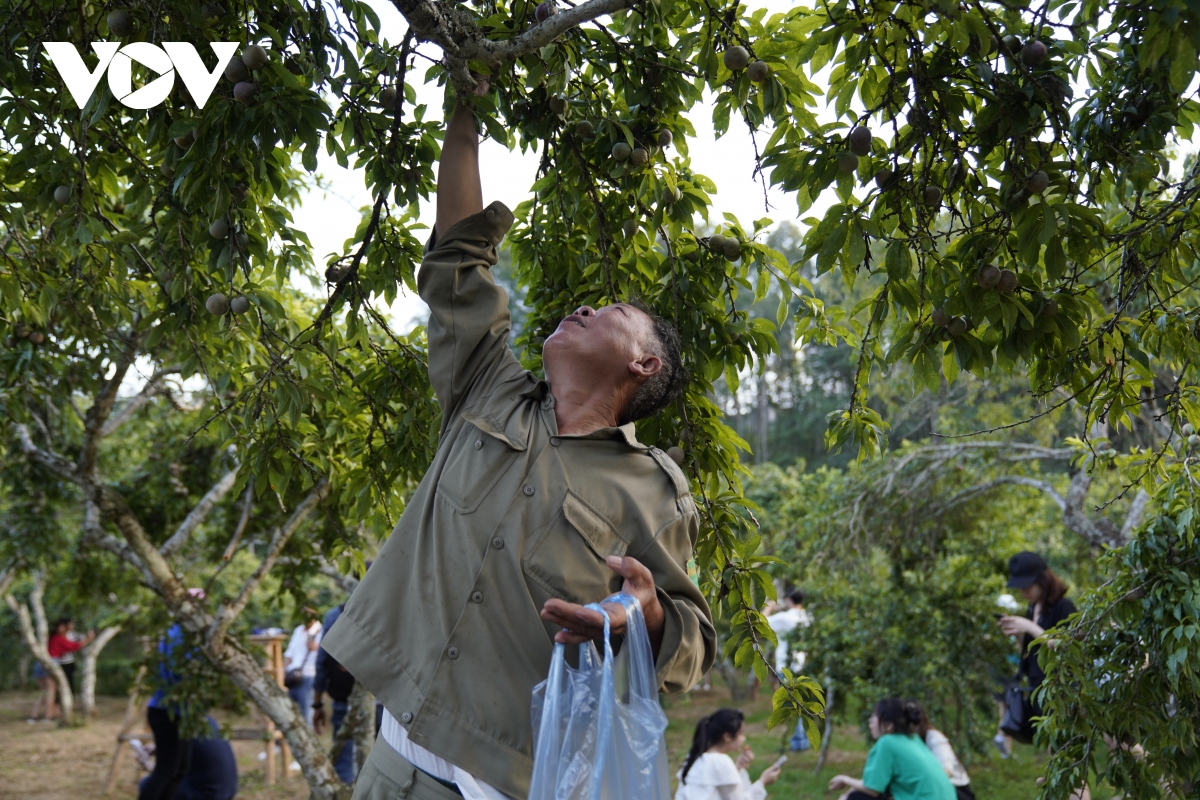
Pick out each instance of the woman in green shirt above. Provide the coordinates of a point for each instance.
(899, 763)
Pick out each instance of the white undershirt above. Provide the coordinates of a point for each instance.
(471, 787)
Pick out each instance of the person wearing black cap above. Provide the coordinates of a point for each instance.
(1048, 606)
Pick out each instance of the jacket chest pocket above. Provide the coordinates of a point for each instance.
(480, 457)
(567, 559)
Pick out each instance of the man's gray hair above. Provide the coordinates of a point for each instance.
(663, 386)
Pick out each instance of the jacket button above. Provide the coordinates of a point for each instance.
(529, 490)
(476, 597)
(452, 652)
(555, 441)
(490, 213)
(406, 716)
(498, 543)
(478, 443)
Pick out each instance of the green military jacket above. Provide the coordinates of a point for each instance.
(445, 627)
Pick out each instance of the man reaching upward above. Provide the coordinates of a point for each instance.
(539, 500)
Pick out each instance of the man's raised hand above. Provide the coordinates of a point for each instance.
(582, 624)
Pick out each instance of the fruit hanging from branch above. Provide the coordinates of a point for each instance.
(1037, 182)
(758, 71)
(860, 140)
(621, 151)
(254, 57)
(736, 58)
(1034, 53)
(120, 23)
(245, 93)
(62, 195)
(219, 228)
(217, 304)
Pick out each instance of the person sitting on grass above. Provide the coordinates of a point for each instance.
(709, 771)
(899, 763)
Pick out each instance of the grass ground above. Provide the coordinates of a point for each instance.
(43, 762)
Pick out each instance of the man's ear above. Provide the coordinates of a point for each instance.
(646, 367)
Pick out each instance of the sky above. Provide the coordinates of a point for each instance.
(330, 215)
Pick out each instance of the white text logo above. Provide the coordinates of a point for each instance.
(172, 57)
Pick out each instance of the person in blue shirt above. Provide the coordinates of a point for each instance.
(173, 755)
(213, 772)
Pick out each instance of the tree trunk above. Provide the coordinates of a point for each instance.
(87, 670)
(827, 736)
(362, 706)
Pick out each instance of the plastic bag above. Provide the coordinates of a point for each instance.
(598, 729)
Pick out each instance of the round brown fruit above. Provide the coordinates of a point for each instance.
(239, 192)
(672, 196)
(120, 23)
(665, 137)
(387, 97)
(1037, 182)
(847, 162)
(239, 305)
(584, 129)
(932, 196)
(716, 243)
(957, 326)
(1012, 43)
(675, 454)
(62, 195)
(558, 104)
(217, 304)
(118, 208)
(1008, 281)
(254, 57)
(186, 141)
(245, 93)
(731, 248)
(630, 228)
(542, 12)
(883, 178)
(236, 72)
(243, 241)
(621, 151)
(736, 58)
(988, 276)
(219, 229)
(37, 337)
(758, 71)
(860, 140)
(1050, 308)
(939, 317)
(1193, 440)
(1034, 53)
(639, 156)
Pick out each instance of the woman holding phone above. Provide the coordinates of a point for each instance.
(709, 771)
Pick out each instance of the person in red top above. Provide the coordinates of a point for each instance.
(62, 645)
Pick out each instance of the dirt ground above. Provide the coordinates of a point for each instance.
(44, 762)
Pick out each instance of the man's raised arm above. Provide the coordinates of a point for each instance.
(468, 311)
(459, 193)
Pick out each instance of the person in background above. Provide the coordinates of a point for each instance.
(332, 678)
(785, 623)
(45, 708)
(63, 644)
(899, 764)
(172, 755)
(300, 663)
(940, 746)
(213, 772)
(709, 771)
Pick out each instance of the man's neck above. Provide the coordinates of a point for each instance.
(580, 411)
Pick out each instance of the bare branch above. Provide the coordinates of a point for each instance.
(152, 389)
(50, 460)
(98, 414)
(1137, 510)
(229, 612)
(199, 513)
(37, 602)
(247, 504)
(964, 495)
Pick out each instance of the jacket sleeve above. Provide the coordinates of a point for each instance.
(468, 320)
(689, 642)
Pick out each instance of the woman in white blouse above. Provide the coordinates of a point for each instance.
(937, 742)
(709, 771)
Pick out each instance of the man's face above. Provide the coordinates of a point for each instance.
(604, 340)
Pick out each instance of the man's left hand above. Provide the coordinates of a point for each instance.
(582, 624)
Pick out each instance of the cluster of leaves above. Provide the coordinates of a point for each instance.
(1122, 692)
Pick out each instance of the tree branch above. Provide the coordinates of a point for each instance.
(247, 504)
(50, 460)
(38, 649)
(98, 414)
(199, 513)
(229, 612)
(151, 390)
